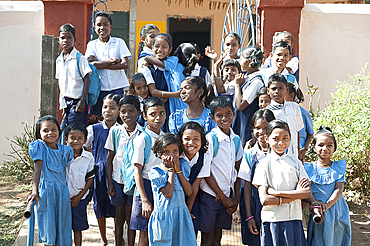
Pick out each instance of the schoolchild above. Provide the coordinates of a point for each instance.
(246, 89)
(110, 55)
(140, 89)
(250, 205)
(221, 190)
(282, 182)
(264, 98)
(231, 46)
(49, 188)
(170, 222)
(280, 56)
(142, 206)
(288, 112)
(195, 146)
(118, 138)
(306, 133)
(147, 35)
(96, 138)
(73, 82)
(199, 70)
(224, 73)
(327, 182)
(194, 93)
(80, 176)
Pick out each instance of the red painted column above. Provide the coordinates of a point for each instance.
(75, 12)
(279, 15)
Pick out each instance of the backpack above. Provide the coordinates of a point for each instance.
(127, 170)
(216, 143)
(95, 85)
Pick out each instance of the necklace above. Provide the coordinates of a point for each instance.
(317, 173)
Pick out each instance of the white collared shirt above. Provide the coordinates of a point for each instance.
(142, 59)
(223, 164)
(245, 168)
(250, 92)
(139, 149)
(196, 72)
(76, 173)
(267, 72)
(123, 141)
(70, 82)
(205, 171)
(281, 173)
(90, 134)
(114, 48)
(148, 74)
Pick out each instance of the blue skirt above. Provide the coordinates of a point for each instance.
(284, 233)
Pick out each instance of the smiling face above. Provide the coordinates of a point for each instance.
(280, 57)
(189, 92)
(192, 142)
(229, 73)
(110, 110)
(129, 114)
(279, 140)
(149, 37)
(49, 133)
(277, 91)
(161, 48)
(103, 28)
(76, 139)
(155, 116)
(264, 101)
(259, 130)
(324, 147)
(224, 118)
(231, 47)
(141, 88)
(66, 41)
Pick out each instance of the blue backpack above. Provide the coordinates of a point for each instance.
(216, 143)
(95, 85)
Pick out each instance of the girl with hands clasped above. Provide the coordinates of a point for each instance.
(327, 181)
(170, 222)
(282, 182)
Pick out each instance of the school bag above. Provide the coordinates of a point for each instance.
(95, 85)
(216, 143)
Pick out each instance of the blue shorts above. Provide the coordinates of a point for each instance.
(138, 222)
(213, 215)
(96, 109)
(120, 198)
(79, 216)
(75, 117)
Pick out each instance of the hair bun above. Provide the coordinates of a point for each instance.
(325, 128)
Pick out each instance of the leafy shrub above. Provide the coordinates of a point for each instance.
(348, 115)
(21, 165)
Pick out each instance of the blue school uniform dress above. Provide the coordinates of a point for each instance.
(54, 218)
(170, 223)
(102, 205)
(336, 227)
(178, 118)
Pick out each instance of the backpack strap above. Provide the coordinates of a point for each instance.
(148, 146)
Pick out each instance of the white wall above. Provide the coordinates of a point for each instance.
(21, 30)
(334, 42)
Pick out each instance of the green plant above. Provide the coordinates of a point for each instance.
(21, 165)
(348, 115)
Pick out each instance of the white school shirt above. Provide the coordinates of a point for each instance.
(114, 48)
(148, 74)
(70, 82)
(142, 59)
(123, 141)
(76, 173)
(250, 93)
(138, 155)
(267, 72)
(90, 134)
(280, 173)
(196, 72)
(245, 169)
(205, 171)
(223, 164)
(292, 64)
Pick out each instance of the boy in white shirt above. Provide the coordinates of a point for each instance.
(221, 189)
(110, 55)
(79, 175)
(73, 82)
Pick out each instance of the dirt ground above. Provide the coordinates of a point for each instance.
(13, 197)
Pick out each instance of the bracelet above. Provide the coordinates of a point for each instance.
(280, 201)
(162, 94)
(315, 206)
(249, 218)
(217, 77)
(179, 171)
(218, 196)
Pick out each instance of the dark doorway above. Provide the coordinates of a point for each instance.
(191, 30)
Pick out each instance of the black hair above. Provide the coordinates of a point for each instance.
(254, 54)
(231, 63)
(114, 97)
(235, 35)
(68, 28)
(136, 77)
(187, 55)
(276, 124)
(144, 31)
(166, 37)
(220, 102)
(200, 84)
(281, 44)
(40, 121)
(75, 127)
(266, 114)
(262, 91)
(192, 125)
(130, 99)
(164, 140)
(297, 92)
(196, 46)
(277, 34)
(324, 130)
(153, 102)
(104, 14)
(277, 77)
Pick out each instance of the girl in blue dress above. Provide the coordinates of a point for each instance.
(170, 222)
(97, 136)
(327, 182)
(246, 89)
(49, 189)
(195, 95)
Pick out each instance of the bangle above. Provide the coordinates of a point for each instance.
(249, 218)
(315, 206)
(179, 171)
(280, 201)
(218, 198)
(217, 77)
(162, 94)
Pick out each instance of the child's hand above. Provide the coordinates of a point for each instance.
(239, 79)
(33, 196)
(75, 200)
(80, 106)
(218, 63)
(303, 184)
(272, 192)
(147, 209)
(324, 206)
(236, 216)
(167, 161)
(301, 154)
(176, 164)
(92, 58)
(111, 191)
(115, 60)
(233, 208)
(192, 216)
(252, 226)
(211, 53)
